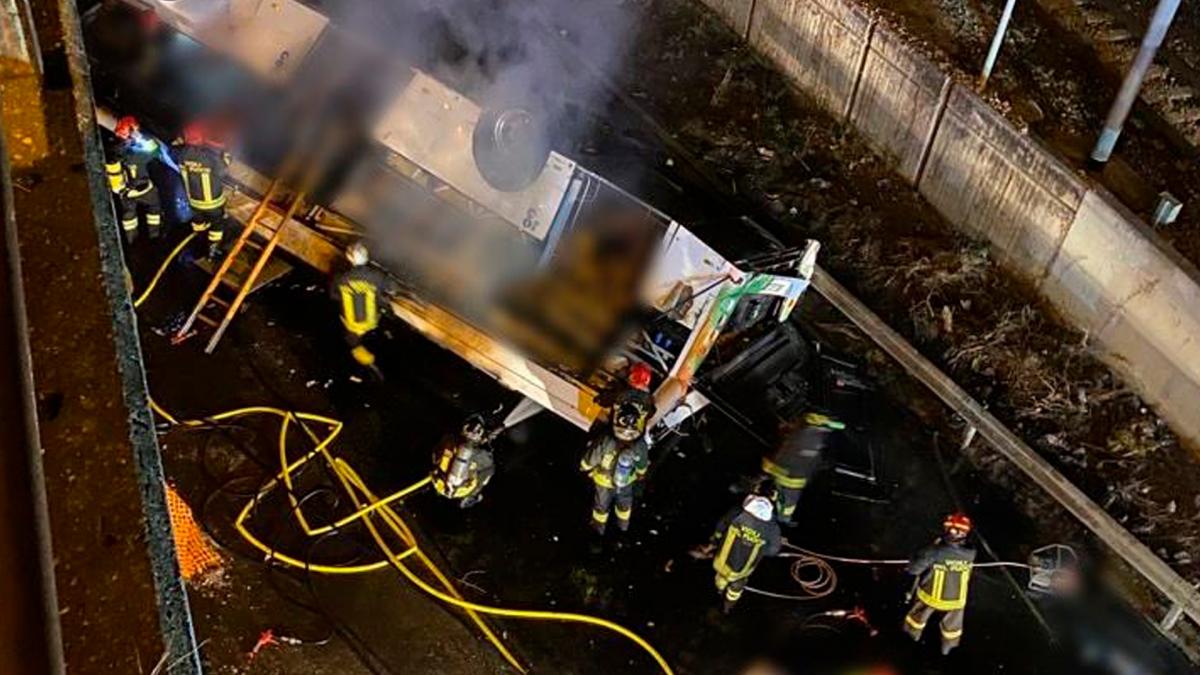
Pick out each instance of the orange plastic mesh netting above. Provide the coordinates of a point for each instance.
(196, 554)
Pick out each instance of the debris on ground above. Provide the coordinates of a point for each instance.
(944, 292)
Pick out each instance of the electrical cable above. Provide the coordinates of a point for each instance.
(824, 584)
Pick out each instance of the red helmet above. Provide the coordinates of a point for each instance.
(126, 126)
(639, 376)
(957, 525)
(194, 134)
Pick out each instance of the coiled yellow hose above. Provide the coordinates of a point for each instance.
(369, 507)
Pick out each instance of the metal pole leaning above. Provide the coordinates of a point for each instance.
(997, 41)
(1164, 14)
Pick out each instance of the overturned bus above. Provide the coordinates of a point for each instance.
(535, 270)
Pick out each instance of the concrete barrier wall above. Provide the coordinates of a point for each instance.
(736, 13)
(819, 44)
(1097, 263)
(901, 97)
(1133, 298)
(996, 183)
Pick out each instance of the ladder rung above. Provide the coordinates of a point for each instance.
(220, 301)
(205, 319)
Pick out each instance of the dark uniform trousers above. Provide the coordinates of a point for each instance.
(951, 624)
(616, 499)
(134, 197)
(792, 465)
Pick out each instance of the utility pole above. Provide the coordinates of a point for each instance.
(997, 41)
(1164, 14)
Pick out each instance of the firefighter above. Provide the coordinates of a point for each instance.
(615, 461)
(129, 178)
(358, 292)
(943, 576)
(742, 539)
(464, 463)
(635, 392)
(798, 458)
(202, 163)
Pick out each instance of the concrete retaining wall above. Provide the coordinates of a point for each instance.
(820, 45)
(996, 183)
(1095, 261)
(901, 98)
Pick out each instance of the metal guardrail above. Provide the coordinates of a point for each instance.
(1184, 598)
(29, 612)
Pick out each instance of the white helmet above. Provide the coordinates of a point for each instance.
(357, 254)
(759, 507)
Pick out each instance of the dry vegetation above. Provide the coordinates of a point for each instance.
(943, 291)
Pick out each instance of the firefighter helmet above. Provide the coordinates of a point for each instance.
(473, 429)
(957, 525)
(639, 376)
(628, 421)
(357, 253)
(126, 127)
(195, 134)
(760, 507)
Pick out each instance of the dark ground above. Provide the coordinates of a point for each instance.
(773, 149)
(528, 546)
(776, 152)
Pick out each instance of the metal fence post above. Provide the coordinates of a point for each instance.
(997, 41)
(1164, 14)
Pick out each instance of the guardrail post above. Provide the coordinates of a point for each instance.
(968, 436)
(1172, 618)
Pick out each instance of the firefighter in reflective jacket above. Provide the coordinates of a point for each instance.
(358, 292)
(615, 461)
(943, 576)
(742, 539)
(202, 163)
(128, 174)
(793, 465)
(464, 464)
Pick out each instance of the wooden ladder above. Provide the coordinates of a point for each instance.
(210, 299)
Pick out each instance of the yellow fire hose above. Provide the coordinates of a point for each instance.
(369, 507)
(161, 269)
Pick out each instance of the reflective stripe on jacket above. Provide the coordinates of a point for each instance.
(798, 457)
(603, 456)
(203, 172)
(745, 541)
(945, 575)
(357, 292)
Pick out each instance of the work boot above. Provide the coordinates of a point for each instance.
(131, 235)
(471, 501)
(727, 605)
(599, 527)
(214, 251)
(155, 231)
